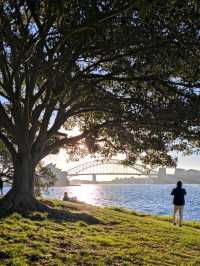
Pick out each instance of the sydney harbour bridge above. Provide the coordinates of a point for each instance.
(110, 167)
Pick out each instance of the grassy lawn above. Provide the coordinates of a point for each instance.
(79, 234)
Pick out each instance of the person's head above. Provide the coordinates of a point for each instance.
(179, 184)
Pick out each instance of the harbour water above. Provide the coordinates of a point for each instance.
(147, 198)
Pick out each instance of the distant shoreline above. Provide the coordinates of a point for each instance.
(113, 183)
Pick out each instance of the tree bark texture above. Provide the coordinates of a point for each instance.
(21, 196)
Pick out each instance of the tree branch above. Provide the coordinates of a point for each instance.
(9, 146)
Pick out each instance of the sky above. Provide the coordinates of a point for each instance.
(189, 162)
(60, 159)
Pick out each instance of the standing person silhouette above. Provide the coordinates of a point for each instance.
(179, 202)
(1, 186)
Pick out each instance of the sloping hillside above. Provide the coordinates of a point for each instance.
(79, 234)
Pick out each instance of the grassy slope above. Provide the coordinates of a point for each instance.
(116, 237)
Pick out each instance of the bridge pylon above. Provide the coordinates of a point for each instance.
(94, 178)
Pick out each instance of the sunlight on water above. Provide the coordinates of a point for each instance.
(85, 193)
(90, 194)
(152, 199)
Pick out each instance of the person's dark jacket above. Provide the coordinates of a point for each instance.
(1, 183)
(178, 194)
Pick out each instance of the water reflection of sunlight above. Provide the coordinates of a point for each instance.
(141, 197)
(86, 193)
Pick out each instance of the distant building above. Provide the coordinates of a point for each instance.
(192, 172)
(187, 176)
(94, 178)
(61, 175)
(180, 172)
(162, 172)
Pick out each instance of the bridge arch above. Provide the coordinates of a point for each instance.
(92, 168)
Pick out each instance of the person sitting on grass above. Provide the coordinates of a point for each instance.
(179, 202)
(65, 197)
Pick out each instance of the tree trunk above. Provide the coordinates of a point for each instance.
(21, 196)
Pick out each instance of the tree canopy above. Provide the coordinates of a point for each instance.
(125, 73)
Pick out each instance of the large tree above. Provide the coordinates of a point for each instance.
(125, 73)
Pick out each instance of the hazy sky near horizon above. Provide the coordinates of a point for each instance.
(189, 162)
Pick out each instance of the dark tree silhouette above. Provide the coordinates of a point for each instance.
(6, 165)
(44, 177)
(124, 72)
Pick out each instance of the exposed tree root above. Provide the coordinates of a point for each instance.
(23, 202)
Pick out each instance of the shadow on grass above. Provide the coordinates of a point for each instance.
(62, 216)
(53, 214)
